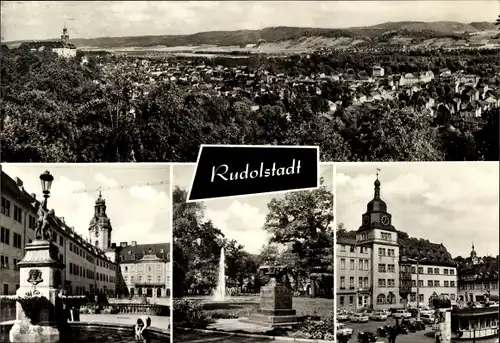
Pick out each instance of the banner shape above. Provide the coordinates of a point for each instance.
(232, 170)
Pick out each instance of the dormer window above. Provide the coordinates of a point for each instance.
(133, 257)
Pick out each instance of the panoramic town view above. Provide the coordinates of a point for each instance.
(78, 268)
(408, 266)
(251, 268)
(151, 81)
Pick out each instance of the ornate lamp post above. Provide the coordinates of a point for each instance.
(418, 260)
(42, 231)
(46, 180)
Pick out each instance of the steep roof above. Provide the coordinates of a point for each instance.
(161, 250)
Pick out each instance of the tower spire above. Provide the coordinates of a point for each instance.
(377, 186)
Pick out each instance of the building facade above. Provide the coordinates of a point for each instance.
(87, 268)
(62, 47)
(145, 269)
(93, 265)
(478, 279)
(370, 268)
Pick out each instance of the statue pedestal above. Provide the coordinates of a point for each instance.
(275, 307)
(39, 312)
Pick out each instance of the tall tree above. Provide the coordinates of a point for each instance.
(303, 221)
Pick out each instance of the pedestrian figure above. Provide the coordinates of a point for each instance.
(393, 332)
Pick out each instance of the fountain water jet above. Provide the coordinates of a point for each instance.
(220, 291)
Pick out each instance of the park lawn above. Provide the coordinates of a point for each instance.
(304, 306)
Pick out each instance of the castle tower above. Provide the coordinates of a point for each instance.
(100, 226)
(377, 235)
(473, 255)
(65, 36)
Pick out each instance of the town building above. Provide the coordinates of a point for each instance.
(62, 47)
(373, 269)
(88, 269)
(93, 265)
(144, 269)
(478, 280)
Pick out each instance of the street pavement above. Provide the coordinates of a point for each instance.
(425, 336)
(202, 337)
(158, 322)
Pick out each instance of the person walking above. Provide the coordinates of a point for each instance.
(393, 333)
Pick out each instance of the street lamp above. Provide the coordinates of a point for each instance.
(418, 260)
(46, 180)
(473, 309)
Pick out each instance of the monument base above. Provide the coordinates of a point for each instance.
(25, 332)
(273, 318)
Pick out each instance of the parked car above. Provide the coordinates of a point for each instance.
(378, 316)
(399, 314)
(427, 318)
(343, 330)
(386, 312)
(342, 316)
(359, 318)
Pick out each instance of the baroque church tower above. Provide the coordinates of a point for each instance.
(100, 226)
(379, 239)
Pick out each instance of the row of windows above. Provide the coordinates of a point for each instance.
(80, 252)
(433, 271)
(433, 283)
(386, 236)
(362, 282)
(391, 268)
(362, 264)
(18, 212)
(352, 248)
(140, 267)
(389, 299)
(390, 252)
(493, 285)
(89, 274)
(389, 283)
(4, 262)
(149, 278)
(17, 240)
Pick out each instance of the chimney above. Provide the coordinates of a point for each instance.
(113, 245)
(19, 182)
(134, 243)
(62, 219)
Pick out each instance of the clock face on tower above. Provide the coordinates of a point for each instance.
(366, 220)
(385, 220)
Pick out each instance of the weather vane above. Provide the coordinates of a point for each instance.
(378, 171)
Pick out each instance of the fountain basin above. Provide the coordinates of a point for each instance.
(86, 332)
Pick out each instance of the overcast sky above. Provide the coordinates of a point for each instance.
(24, 20)
(139, 214)
(241, 218)
(451, 203)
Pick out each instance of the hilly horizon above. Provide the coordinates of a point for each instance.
(279, 34)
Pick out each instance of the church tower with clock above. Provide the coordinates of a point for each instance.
(100, 226)
(380, 239)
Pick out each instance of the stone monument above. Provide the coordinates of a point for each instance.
(275, 303)
(39, 310)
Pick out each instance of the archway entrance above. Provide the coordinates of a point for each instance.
(149, 292)
(158, 292)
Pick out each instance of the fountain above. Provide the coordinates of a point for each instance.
(220, 291)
